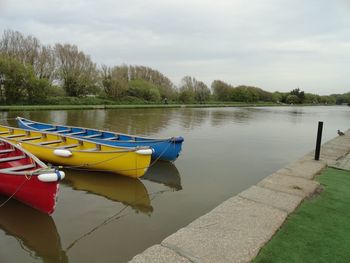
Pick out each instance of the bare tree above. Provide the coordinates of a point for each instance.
(114, 81)
(23, 49)
(192, 89)
(76, 70)
(29, 52)
(165, 86)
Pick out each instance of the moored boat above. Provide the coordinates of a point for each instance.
(167, 149)
(25, 178)
(81, 154)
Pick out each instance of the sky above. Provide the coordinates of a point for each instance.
(277, 45)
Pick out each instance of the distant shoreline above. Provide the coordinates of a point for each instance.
(142, 106)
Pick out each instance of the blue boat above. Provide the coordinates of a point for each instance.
(167, 149)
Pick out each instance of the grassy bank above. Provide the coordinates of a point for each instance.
(319, 230)
(126, 106)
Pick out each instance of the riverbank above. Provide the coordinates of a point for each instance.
(318, 231)
(236, 230)
(141, 106)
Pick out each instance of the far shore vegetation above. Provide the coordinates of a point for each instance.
(60, 75)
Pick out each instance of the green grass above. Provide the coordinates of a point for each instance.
(319, 230)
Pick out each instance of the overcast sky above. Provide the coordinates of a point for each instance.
(273, 44)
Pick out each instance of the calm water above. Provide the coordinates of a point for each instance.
(107, 218)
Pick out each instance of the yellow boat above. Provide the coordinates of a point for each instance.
(78, 153)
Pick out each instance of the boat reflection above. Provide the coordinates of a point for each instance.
(35, 231)
(129, 191)
(165, 173)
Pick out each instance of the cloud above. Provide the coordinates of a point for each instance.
(275, 44)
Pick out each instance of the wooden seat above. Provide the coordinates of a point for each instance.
(111, 138)
(50, 142)
(64, 131)
(7, 151)
(18, 168)
(76, 133)
(15, 136)
(12, 158)
(4, 132)
(93, 135)
(49, 129)
(30, 138)
(68, 146)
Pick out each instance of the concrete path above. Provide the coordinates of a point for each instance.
(236, 230)
(343, 163)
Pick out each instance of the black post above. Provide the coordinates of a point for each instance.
(318, 140)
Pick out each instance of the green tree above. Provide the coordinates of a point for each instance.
(277, 97)
(165, 87)
(329, 100)
(221, 90)
(142, 89)
(193, 90)
(14, 76)
(292, 99)
(342, 98)
(245, 94)
(20, 83)
(202, 92)
(299, 94)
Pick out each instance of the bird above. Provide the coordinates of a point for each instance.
(340, 133)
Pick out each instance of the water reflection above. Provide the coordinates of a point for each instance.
(164, 173)
(191, 118)
(35, 231)
(132, 121)
(129, 191)
(236, 115)
(294, 113)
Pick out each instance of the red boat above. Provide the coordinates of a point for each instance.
(27, 179)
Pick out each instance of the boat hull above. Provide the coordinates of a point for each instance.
(49, 147)
(30, 191)
(167, 149)
(124, 163)
(21, 176)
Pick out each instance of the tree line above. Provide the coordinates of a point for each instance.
(33, 73)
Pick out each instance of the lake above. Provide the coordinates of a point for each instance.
(109, 218)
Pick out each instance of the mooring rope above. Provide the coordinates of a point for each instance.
(112, 218)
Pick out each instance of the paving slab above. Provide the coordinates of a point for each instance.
(289, 184)
(340, 145)
(159, 254)
(343, 163)
(283, 201)
(304, 168)
(232, 232)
